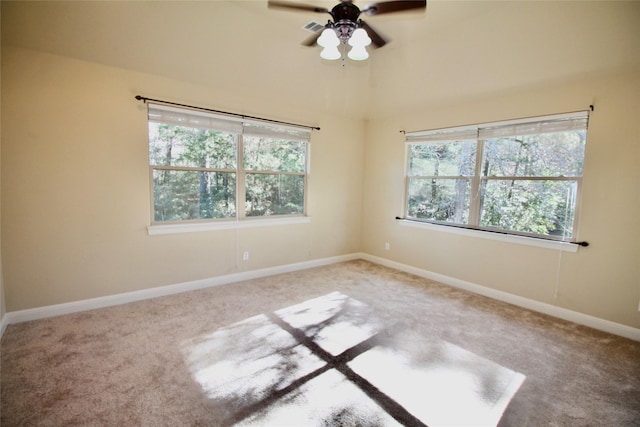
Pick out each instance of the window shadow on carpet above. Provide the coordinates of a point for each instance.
(331, 361)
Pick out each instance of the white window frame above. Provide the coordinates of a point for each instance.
(238, 126)
(479, 133)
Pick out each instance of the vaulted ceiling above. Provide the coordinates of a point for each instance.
(454, 51)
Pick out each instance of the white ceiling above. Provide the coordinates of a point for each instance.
(453, 51)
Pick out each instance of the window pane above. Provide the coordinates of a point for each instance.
(188, 195)
(542, 207)
(439, 199)
(274, 194)
(171, 145)
(443, 159)
(268, 154)
(550, 154)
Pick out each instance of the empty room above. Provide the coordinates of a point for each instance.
(320, 213)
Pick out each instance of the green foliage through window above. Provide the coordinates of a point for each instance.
(196, 169)
(524, 183)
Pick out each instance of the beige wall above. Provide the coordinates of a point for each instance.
(602, 280)
(76, 194)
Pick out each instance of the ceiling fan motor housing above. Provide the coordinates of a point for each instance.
(345, 17)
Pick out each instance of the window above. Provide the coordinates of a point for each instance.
(206, 167)
(519, 177)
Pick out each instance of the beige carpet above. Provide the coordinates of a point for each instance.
(352, 344)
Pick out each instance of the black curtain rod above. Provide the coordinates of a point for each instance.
(242, 116)
(583, 244)
(591, 108)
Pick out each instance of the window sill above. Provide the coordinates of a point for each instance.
(224, 225)
(509, 238)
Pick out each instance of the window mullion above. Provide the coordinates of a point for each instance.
(191, 169)
(474, 208)
(240, 180)
(274, 172)
(152, 196)
(532, 178)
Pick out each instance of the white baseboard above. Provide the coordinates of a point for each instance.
(124, 298)
(541, 307)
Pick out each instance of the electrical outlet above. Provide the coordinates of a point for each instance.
(245, 256)
(387, 246)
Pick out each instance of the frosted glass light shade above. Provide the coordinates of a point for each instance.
(328, 38)
(359, 38)
(331, 53)
(358, 53)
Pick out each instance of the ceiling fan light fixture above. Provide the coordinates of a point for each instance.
(358, 53)
(346, 27)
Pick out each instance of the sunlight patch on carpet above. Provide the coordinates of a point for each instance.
(450, 386)
(331, 361)
(248, 360)
(329, 399)
(335, 321)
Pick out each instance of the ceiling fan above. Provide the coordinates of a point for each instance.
(346, 27)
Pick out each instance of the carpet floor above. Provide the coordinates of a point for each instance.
(350, 344)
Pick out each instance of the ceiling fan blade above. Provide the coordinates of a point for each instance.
(393, 6)
(275, 4)
(313, 40)
(376, 38)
